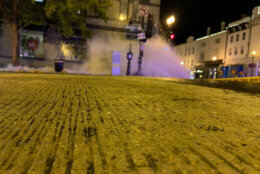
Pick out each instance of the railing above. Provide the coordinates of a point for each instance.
(239, 79)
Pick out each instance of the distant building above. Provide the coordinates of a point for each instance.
(187, 52)
(227, 53)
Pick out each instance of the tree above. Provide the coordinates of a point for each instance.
(18, 14)
(72, 13)
(67, 14)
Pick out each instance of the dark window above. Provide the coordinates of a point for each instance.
(242, 50)
(237, 39)
(217, 41)
(203, 44)
(193, 50)
(244, 36)
(231, 39)
(235, 51)
(202, 56)
(230, 51)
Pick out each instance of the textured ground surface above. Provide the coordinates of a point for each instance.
(85, 124)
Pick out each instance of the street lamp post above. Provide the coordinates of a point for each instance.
(129, 58)
(253, 65)
(170, 20)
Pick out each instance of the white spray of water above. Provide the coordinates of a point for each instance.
(159, 58)
(11, 68)
(46, 69)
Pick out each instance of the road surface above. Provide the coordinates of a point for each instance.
(94, 124)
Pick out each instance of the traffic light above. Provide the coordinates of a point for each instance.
(172, 36)
(149, 31)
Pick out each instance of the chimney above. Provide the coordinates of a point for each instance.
(223, 26)
(208, 31)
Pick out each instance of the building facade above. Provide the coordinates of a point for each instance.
(228, 53)
(39, 46)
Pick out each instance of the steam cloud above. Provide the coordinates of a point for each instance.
(159, 58)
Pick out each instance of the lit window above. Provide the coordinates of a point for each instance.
(31, 43)
(258, 10)
(38, 0)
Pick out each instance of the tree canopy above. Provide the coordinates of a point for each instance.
(71, 13)
(65, 14)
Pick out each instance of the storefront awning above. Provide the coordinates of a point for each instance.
(210, 63)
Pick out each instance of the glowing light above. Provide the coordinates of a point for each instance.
(214, 58)
(66, 50)
(182, 63)
(122, 17)
(172, 36)
(170, 20)
(253, 52)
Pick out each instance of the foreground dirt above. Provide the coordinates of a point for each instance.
(85, 124)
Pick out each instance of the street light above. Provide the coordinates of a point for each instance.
(170, 20)
(253, 65)
(122, 17)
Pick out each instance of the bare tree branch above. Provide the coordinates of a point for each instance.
(4, 10)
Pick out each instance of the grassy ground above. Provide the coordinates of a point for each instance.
(86, 124)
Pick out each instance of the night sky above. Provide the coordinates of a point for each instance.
(194, 16)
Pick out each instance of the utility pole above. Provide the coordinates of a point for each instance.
(143, 11)
(141, 52)
(252, 65)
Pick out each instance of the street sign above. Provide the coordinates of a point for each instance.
(141, 36)
(143, 10)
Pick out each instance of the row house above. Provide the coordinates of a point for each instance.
(232, 52)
